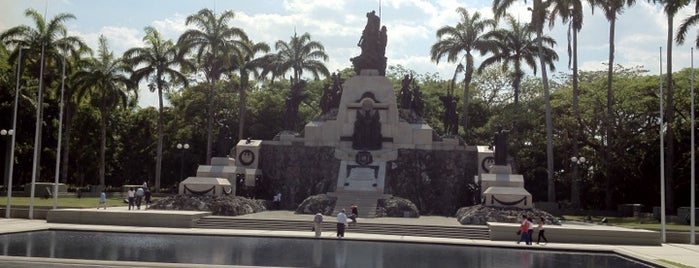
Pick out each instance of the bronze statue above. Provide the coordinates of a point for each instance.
(500, 142)
(373, 44)
(450, 118)
(367, 129)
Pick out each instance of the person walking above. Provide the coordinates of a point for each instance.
(523, 229)
(103, 200)
(139, 197)
(147, 196)
(341, 223)
(277, 201)
(131, 194)
(541, 232)
(318, 224)
(530, 230)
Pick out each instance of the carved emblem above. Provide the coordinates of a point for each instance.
(487, 162)
(363, 158)
(246, 157)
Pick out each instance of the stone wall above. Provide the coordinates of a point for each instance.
(437, 181)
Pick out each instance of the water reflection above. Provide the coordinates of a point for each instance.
(255, 251)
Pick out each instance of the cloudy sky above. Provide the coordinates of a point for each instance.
(338, 24)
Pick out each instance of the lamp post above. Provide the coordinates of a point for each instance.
(6, 174)
(182, 148)
(575, 184)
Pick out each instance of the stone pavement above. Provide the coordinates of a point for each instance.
(683, 254)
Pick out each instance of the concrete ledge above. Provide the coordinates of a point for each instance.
(581, 234)
(146, 218)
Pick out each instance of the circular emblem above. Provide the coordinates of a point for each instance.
(363, 158)
(246, 157)
(487, 162)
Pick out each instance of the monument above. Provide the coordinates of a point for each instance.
(499, 187)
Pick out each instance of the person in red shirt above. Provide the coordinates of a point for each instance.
(523, 230)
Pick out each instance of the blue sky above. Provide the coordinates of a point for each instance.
(338, 24)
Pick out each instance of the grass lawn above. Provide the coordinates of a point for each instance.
(73, 202)
(633, 222)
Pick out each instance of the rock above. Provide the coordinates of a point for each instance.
(218, 205)
(315, 203)
(397, 207)
(480, 215)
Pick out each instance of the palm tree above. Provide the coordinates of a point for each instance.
(211, 40)
(245, 63)
(158, 64)
(571, 12)
(539, 10)
(50, 41)
(298, 55)
(466, 37)
(515, 46)
(105, 80)
(611, 9)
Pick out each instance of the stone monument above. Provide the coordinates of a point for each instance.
(499, 187)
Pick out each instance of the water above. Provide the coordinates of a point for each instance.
(265, 251)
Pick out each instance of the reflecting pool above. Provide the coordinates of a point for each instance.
(297, 252)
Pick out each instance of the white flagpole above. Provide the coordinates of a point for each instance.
(662, 155)
(37, 133)
(692, 213)
(8, 207)
(60, 136)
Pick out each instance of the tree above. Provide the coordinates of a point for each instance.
(298, 55)
(466, 37)
(157, 63)
(212, 39)
(245, 63)
(515, 46)
(571, 11)
(105, 80)
(50, 40)
(611, 9)
(539, 10)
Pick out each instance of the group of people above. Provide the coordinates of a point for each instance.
(138, 196)
(526, 230)
(341, 221)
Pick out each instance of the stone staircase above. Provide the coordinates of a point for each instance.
(329, 225)
(366, 202)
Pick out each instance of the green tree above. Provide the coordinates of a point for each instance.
(246, 63)
(611, 9)
(466, 37)
(298, 55)
(158, 63)
(211, 40)
(49, 40)
(105, 80)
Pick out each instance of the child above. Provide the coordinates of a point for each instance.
(103, 200)
(541, 232)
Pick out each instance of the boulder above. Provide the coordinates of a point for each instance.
(397, 207)
(218, 205)
(480, 215)
(315, 203)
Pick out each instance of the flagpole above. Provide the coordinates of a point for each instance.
(37, 134)
(60, 134)
(662, 155)
(8, 207)
(692, 209)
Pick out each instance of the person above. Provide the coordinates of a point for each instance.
(541, 232)
(318, 224)
(103, 200)
(530, 230)
(523, 229)
(145, 184)
(147, 196)
(341, 223)
(139, 197)
(355, 213)
(131, 194)
(277, 200)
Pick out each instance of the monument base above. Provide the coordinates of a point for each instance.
(507, 197)
(206, 186)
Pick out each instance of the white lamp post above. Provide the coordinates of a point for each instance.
(182, 148)
(575, 185)
(6, 175)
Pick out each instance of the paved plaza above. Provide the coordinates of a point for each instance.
(677, 253)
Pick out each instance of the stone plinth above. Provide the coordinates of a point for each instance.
(507, 197)
(501, 180)
(206, 186)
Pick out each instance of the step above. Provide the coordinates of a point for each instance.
(464, 232)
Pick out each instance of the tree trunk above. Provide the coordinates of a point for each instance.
(468, 75)
(103, 140)
(575, 184)
(670, 121)
(241, 105)
(210, 120)
(159, 157)
(608, 122)
(66, 145)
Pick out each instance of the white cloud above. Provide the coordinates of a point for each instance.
(309, 6)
